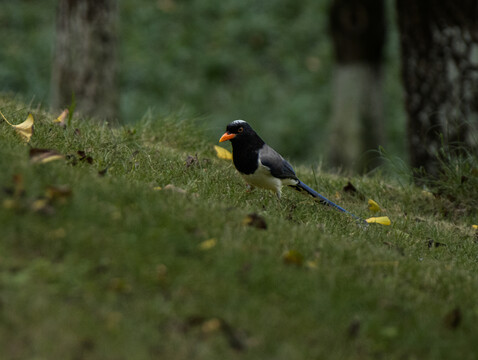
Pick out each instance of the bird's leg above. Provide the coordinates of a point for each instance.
(278, 193)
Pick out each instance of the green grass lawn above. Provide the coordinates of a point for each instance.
(101, 259)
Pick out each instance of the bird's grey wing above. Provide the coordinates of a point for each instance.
(279, 167)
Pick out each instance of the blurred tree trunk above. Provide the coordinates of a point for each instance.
(84, 62)
(358, 33)
(439, 45)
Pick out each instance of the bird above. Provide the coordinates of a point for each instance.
(261, 166)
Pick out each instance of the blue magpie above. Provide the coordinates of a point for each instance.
(262, 166)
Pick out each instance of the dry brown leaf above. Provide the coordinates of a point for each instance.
(255, 220)
(60, 193)
(192, 161)
(103, 171)
(453, 318)
(83, 157)
(352, 190)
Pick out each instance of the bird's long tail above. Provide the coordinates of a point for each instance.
(323, 200)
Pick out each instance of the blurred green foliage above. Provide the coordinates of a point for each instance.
(270, 63)
(26, 34)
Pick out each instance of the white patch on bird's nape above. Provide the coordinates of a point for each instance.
(237, 122)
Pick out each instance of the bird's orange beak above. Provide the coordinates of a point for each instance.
(227, 136)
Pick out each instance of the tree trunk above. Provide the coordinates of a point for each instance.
(439, 45)
(85, 65)
(358, 33)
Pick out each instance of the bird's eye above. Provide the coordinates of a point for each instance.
(241, 129)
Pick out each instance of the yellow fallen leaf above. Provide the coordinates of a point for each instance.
(39, 204)
(208, 244)
(52, 158)
(373, 206)
(60, 120)
(383, 220)
(157, 188)
(176, 189)
(211, 325)
(41, 156)
(9, 203)
(474, 226)
(311, 264)
(428, 194)
(223, 153)
(293, 257)
(25, 129)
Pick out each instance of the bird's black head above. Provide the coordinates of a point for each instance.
(238, 131)
(246, 145)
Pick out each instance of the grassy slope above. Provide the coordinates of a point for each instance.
(116, 270)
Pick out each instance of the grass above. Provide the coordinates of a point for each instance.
(110, 267)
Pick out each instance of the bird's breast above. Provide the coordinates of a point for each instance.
(262, 178)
